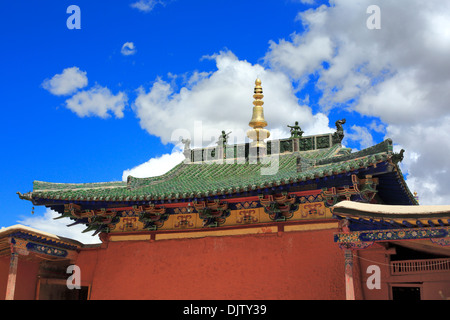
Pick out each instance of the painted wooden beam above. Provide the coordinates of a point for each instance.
(349, 287)
(12, 275)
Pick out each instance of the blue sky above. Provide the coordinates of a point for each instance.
(77, 109)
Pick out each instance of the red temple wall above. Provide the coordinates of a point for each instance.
(27, 271)
(4, 270)
(286, 265)
(26, 278)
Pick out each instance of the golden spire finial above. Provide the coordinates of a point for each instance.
(258, 133)
(258, 83)
(258, 120)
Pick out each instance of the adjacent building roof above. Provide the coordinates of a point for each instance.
(19, 231)
(364, 216)
(391, 211)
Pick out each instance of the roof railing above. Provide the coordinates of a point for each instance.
(419, 266)
(280, 146)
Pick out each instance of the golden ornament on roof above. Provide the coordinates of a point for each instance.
(258, 133)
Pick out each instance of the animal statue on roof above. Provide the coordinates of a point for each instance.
(339, 134)
(187, 143)
(187, 148)
(398, 157)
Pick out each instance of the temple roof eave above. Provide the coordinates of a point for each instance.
(192, 180)
(142, 195)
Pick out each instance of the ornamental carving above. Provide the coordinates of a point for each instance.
(355, 245)
(184, 221)
(362, 239)
(364, 188)
(152, 217)
(99, 224)
(279, 207)
(247, 217)
(213, 213)
(24, 247)
(129, 224)
(76, 212)
(313, 210)
(97, 220)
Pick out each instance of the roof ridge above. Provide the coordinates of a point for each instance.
(382, 147)
(135, 182)
(43, 186)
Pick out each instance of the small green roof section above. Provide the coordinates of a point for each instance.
(201, 179)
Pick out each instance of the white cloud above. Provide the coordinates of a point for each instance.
(222, 100)
(69, 81)
(146, 5)
(406, 59)
(427, 146)
(308, 54)
(401, 99)
(311, 2)
(361, 135)
(128, 49)
(59, 227)
(380, 128)
(155, 166)
(399, 73)
(97, 101)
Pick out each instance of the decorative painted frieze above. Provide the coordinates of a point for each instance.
(24, 247)
(213, 213)
(247, 217)
(364, 188)
(279, 207)
(152, 217)
(362, 239)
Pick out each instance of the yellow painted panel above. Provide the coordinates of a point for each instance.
(215, 233)
(246, 217)
(182, 221)
(314, 210)
(130, 237)
(435, 221)
(309, 227)
(263, 216)
(128, 224)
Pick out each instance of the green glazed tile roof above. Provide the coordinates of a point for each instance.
(188, 180)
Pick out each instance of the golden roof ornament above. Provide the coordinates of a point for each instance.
(258, 133)
(258, 120)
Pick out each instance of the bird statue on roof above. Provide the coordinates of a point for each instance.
(398, 157)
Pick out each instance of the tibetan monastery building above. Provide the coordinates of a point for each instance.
(296, 218)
